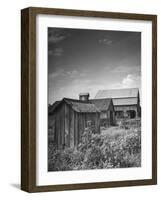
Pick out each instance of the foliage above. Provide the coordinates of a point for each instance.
(113, 148)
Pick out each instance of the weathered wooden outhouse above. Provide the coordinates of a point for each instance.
(68, 119)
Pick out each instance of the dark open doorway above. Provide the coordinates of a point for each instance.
(131, 114)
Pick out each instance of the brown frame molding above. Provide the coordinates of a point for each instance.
(28, 99)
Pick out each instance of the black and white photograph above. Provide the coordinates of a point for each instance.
(94, 99)
(89, 99)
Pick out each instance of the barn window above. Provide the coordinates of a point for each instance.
(103, 115)
(119, 114)
(131, 114)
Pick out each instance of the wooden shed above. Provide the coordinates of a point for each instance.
(68, 119)
(107, 116)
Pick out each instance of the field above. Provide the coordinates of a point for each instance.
(116, 147)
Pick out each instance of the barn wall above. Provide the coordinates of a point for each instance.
(109, 120)
(110, 116)
(139, 108)
(126, 108)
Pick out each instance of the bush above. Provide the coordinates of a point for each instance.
(120, 149)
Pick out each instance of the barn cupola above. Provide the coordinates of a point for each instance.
(84, 96)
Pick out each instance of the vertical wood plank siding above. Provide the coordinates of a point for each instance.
(69, 125)
(76, 129)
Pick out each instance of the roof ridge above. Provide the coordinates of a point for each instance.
(100, 99)
(120, 89)
(117, 93)
(77, 100)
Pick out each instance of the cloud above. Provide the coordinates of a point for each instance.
(57, 74)
(56, 52)
(56, 39)
(75, 88)
(72, 73)
(57, 35)
(78, 85)
(105, 41)
(131, 80)
(126, 69)
(76, 73)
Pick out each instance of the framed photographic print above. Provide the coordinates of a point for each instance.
(89, 99)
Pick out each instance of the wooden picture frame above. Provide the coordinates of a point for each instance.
(28, 99)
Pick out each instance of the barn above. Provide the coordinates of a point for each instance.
(126, 101)
(107, 115)
(68, 118)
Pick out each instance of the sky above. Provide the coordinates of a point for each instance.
(81, 60)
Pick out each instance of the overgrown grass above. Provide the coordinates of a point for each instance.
(115, 147)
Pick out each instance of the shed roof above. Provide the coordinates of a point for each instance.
(117, 93)
(102, 104)
(82, 106)
(52, 107)
(125, 101)
(76, 105)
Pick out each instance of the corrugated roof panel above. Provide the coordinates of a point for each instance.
(117, 93)
(125, 101)
(101, 104)
(80, 106)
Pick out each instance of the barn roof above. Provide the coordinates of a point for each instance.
(125, 101)
(81, 106)
(117, 93)
(102, 104)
